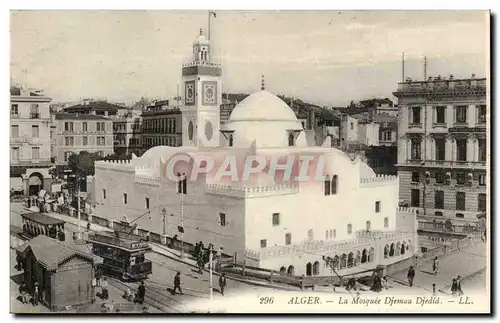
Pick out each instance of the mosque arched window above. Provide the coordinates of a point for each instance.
(316, 268)
(291, 139)
(327, 185)
(334, 184)
(309, 269)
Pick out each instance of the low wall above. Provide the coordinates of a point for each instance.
(100, 221)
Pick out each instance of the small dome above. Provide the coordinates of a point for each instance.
(262, 106)
(366, 171)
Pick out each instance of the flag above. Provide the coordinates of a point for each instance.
(212, 13)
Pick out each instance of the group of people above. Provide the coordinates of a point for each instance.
(37, 296)
(456, 286)
(99, 281)
(202, 256)
(137, 297)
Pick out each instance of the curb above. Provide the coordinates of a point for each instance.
(463, 278)
(250, 282)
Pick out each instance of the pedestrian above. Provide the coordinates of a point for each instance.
(385, 282)
(454, 287)
(459, 286)
(177, 283)
(98, 276)
(411, 275)
(36, 295)
(104, 288)
(196, 248)
(222, 283)
(435, 266)
(200, 265)
(141, 292)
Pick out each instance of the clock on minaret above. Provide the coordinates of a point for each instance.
(209, 93)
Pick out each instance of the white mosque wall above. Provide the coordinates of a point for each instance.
(201, 209)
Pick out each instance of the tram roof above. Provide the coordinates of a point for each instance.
(42, 218)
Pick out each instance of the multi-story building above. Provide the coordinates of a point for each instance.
(82, 132)
(127, 131)
(29, 141)
(442, 146)
(161, 125)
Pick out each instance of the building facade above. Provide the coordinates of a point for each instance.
(442, 147)
(261, 220)
(161, 125)
(30, 141)
(127, 134)
(82, 132)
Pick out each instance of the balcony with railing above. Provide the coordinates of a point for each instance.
(34, 115)
(28, 140)
(442, 86)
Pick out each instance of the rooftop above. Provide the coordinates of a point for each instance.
(41, 218)
(77, 116)
(95, 105)
(50, 253)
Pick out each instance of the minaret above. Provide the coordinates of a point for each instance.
(201, 79)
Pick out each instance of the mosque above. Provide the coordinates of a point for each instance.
(352, 216)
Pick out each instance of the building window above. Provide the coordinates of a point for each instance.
(35, 152)
(291, 139)
(481, 202)
(459, 215)
(349, 228)
(222, 219)
(14, 153)
(34, 112)
(440, 148)
(263, 243)
(368, 225)
(101, 141)
(288, 239)
(377, 207)
(439, 199)
(147, 203)
(276, 219)
(84, 127)
(327, 185)
(231, 140)
(416, 148)
(482, 114)
(14, 131)
(85, 141)
(386, 222)
(103, 194)
(415, 177)
(440, 114)
(460, 201)
(461, 114)
(334, 184)
(352, 125)
(35, 132)
(387, 135)
(415, 115)
(98, 126)
(66, 155)
(124, 198)
(68, 126)
(482, 149)
(69, 141)
(461, 149)
(14, 109)
(460, 178)
(482, 179)
(415, 197)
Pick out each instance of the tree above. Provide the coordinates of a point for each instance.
(82, 164)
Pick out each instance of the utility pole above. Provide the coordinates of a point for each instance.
(182, 191)
(403, 68)
(78, 201)
(210, 260)
(425, 136)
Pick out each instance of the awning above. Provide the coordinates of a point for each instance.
(16, 184)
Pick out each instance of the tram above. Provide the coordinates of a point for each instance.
(37, 223)
(122, 258)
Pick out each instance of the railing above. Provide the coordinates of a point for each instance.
(441, 85)
(450, 228)
(448, 163)
(34, 115)
(31, 140)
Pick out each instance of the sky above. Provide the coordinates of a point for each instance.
(325, 57)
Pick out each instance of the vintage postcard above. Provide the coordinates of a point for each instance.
(250, 162)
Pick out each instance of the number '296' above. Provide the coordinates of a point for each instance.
(267, 300)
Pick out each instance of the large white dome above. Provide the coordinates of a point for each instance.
(264, 119)
(262, 106)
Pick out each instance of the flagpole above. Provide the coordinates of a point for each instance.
(209, 16)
